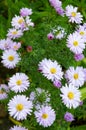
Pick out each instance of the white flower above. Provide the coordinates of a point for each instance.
(19, 82)
(75, 76)
(14, 33)
(3, 91)
(75, 43)
(17, 22)
(5, 44)
(39, 97)
(10, 58)
(73, 15)
(18, 128)
(45, 116)
(59, 33)
(70, 96)
(82, 31)
(51, 69)
(19, 107)
(15, 46)
(29, 22)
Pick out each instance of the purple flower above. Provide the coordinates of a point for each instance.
(68, 117)
(50, 36)
(81, 103)
(78, 57)
(60, 11)
(25, 12)
(57, 83)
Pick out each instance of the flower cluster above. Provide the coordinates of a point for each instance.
(24, 103)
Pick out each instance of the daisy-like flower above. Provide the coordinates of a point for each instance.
(5, 44)
(25, 12)
(73, 15)
(75, 43)
(75, 76)
(10, 58)
(29, 22)
(39, 97)
(17, 22)
(51, 69)
(19, 82)
(82, 31)
(78, 57)
(3, 91)
(59, 33)
(70, 96)
(19, 107)
(18, 128)
(45, 116)
(14, 33)
(15, 46)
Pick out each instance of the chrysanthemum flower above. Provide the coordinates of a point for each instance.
(29, 22)
(10, 58)
(75, 43)
(18, 128)
(19, 82)
(45, 116)
(39, 97)
(73, 15)
(3, 91)
(75, 76)
(70, 96)
(25, 12)
(14, 33)
(15, 46)
(19, 107)
(51, 69)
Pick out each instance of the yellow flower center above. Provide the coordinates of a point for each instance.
(53, 70)
(19, 107)
(11, 58)
(45, 116)
(75, 43)
(14, 32)
(70, 95)
(73, 14)
(81, 33)
(18, 82)
(20, 21)
(76, 76)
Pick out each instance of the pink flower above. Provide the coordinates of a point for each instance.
(50, 36)
(25, 12)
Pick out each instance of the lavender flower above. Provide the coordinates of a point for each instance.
(68, 117)
(78, 57)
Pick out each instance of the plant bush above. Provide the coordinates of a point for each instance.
(42, 43)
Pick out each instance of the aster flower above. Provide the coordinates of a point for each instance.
(57, 4)
(68, 117)
(3, 91)
(82, 31)
(14, 33)
(50, 36)
(45, 116)
(17, 22)
(19, 107)
(70, 96)
(10, 58)
(78, 57)
(57, 83)
(75, 43)
(73, 15)
(18, 128)
(39, 97)
(59, 32)
(51, 69)
(29, 22)
(5, 44)
(75, 76)
(15, 46)
(19, 82)
(25, 12)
